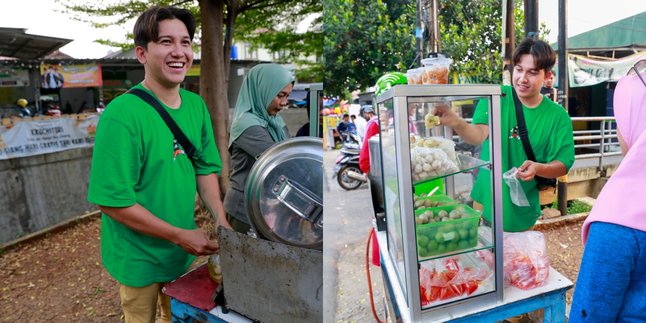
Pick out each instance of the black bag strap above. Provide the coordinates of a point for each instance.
(522, 127)
(189, 149)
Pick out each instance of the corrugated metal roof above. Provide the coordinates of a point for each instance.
(627, 33)
(15, 42)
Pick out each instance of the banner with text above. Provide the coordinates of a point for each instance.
(13, 77)
(29, 138)
(585, 71)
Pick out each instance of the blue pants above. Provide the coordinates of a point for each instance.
(611, 286)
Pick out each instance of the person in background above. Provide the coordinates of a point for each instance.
(548, 87)
(24, 108)
(343, 126)
(611, 285)
(256, 126)
(548, 125)
(361, 122)
(141, 178)
(372, 128)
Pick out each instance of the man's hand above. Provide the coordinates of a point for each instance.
(447, 116)
(196, 242)
(527, 171)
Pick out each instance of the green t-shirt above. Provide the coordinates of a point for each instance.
(550, 134)
(136, 160)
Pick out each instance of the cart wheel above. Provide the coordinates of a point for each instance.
(345, 181)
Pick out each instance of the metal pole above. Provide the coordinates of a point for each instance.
(562, 87)
(508, 36)
(436, 29)
(531, 18)
(419, 34)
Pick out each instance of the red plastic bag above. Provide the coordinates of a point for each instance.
(526, 264)
(447, 278)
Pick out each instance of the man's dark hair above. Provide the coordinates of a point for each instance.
(147, 25)
(345, 115)
(544, 55)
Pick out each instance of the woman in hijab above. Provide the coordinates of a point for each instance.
(611, 286)
(256, 126)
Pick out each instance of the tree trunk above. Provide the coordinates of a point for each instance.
(214, 80)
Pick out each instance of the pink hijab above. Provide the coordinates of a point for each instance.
(621, 200)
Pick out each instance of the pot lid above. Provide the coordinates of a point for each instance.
(284, 193)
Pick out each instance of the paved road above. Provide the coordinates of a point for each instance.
(348, 220)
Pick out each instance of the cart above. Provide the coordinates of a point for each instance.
(440, 261)
(276, 274)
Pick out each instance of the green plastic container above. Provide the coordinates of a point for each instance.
(435, 201)
(436, 238)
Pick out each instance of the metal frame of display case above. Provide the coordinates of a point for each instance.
(407, 292)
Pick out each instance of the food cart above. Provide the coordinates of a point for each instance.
(441, 261)
(276, 274)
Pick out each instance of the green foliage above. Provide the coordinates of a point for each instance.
(574, 207)
(364, 39)
(266, 23)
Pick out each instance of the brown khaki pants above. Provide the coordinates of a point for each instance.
(139, 304)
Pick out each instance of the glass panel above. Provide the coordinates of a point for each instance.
(450, 233)
(391, 191)
(454, 278)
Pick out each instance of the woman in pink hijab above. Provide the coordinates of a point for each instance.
(611, 286)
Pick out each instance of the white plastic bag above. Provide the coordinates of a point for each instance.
(516, 191)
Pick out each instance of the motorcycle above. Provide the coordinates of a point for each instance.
(347, 171)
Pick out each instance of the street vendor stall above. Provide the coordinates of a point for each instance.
(276, 273)
(441, 260)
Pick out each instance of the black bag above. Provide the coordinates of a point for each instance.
(186, 144)
(541, 182)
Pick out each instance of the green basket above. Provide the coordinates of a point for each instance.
(436, 238)
(435, 201)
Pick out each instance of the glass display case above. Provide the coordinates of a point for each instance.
(445, 257)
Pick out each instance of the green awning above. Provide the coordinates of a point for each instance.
(622, 34)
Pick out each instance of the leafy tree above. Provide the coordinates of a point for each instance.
(218, 22)
(363, 41)
(476, 46)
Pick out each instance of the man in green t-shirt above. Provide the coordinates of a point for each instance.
(549, 129)
(141, 178)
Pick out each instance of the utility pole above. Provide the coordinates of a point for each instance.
(419, 34)
(562, 88)
(531, 18)
(508, 37)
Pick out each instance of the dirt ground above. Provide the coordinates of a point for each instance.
(59, 277)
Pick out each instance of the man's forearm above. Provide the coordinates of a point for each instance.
(470, 133)
(141, 220)
(209, 190)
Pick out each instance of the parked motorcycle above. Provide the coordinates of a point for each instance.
(347, 171)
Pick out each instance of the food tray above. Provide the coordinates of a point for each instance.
(436, 238)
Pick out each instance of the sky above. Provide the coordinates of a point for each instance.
(41, 18)
(584, 15)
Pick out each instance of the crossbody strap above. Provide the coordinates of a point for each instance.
(189, 149)
(522, 127)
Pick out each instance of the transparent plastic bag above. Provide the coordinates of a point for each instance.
(526, 264)
(516, 191)
(430, 162)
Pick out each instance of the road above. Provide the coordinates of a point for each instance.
(348, 221)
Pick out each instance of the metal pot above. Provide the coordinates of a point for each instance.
(284, 193)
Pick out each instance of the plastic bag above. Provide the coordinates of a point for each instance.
(516, 191)
(526, 264)
(451, 277)
(430, 162)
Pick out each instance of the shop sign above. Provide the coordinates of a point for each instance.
(13, 77)
(585, 71)
(55, 76)
(29, 138)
